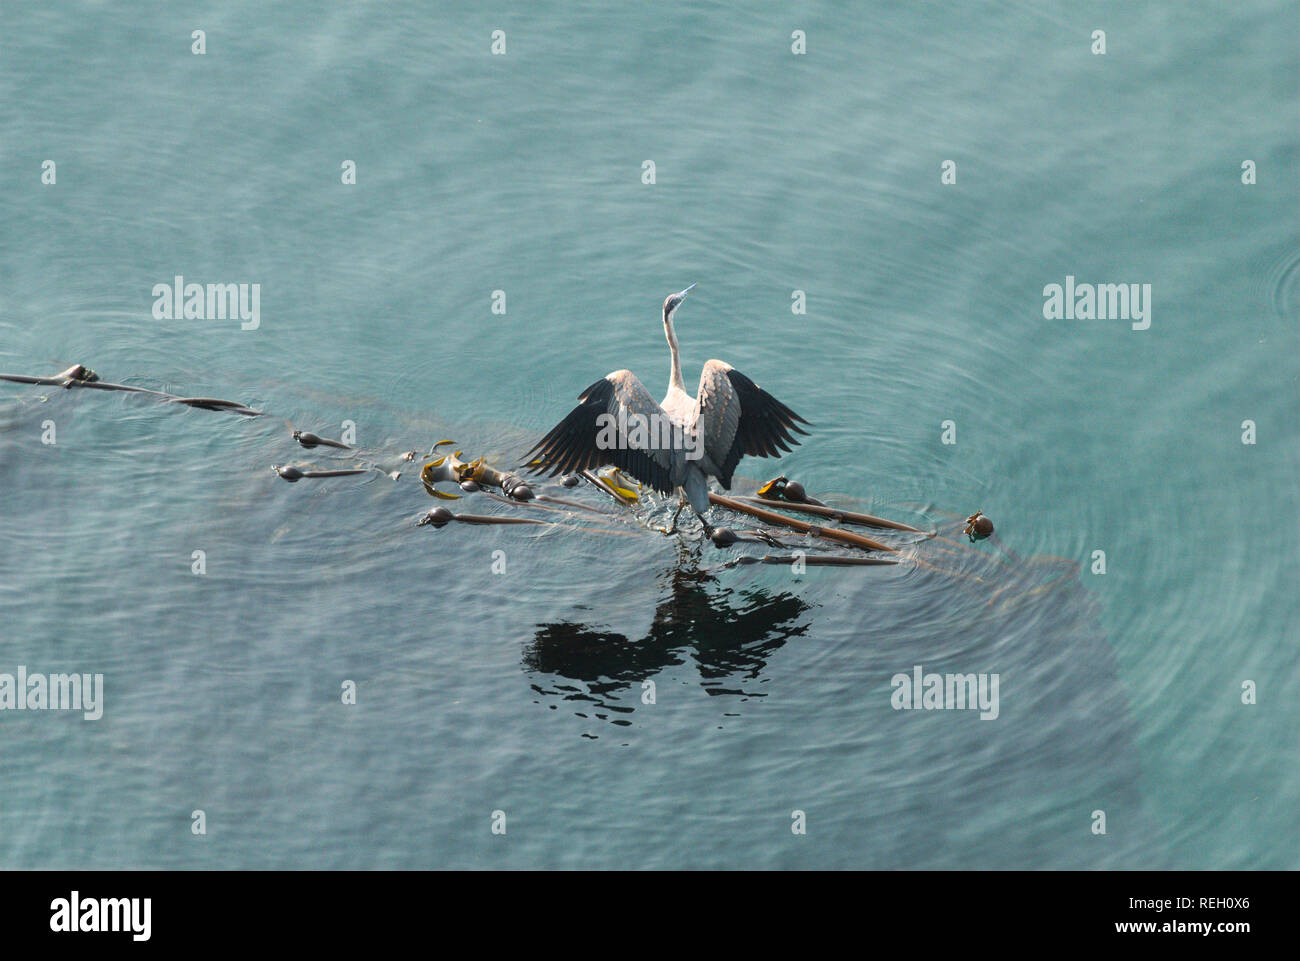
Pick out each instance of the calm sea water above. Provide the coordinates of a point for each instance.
(522, 692)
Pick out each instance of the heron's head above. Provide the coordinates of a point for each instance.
(673, 301)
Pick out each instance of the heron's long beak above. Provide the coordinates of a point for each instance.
(687, 291)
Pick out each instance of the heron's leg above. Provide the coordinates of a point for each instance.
(672, 528)
(681, 505)
(708, 528)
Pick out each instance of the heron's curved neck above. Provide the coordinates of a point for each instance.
(675, 375)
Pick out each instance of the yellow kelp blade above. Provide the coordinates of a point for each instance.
(615, 479)
(429, 480)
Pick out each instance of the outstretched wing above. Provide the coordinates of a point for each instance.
(736, 418)
(602, 430)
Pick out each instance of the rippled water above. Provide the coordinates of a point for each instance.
(523, 692)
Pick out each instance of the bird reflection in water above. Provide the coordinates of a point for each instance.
(730, 634)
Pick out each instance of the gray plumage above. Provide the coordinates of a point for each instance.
(686, 440)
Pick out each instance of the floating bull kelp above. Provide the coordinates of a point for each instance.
(293, 474)
(309, 440)
(476, 475)
(772, 517)
(978, 526)
(451, 468)
(79, 375)
(811, 560)
(790, 496)
(771, 504)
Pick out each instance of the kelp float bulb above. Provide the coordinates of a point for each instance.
(515, 488)
(308, 439)
(978, 526)
(794, 491)
(79, 373)
(470, 486)
(570, 480)
(437, 516)
(723, 536)
(289, 473)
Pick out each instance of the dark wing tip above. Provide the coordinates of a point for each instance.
(766, 424)
(571, 445)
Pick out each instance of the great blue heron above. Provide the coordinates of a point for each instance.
(677, 443)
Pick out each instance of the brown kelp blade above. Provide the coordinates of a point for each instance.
(834, 513)
(772, 517)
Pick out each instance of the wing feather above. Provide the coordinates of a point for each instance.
(573, 444)
(738, 418)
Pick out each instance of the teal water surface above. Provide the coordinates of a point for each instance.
(524, 691)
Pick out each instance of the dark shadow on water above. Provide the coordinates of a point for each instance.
(730, 634)
(949, 788)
